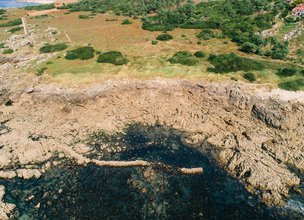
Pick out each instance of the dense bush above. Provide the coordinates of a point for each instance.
(184, 58)
(285, 72)
(8, 51)
(12, 23)
(113, 57)
(249, 47)
(205, 34)
(199, 54)
(126, 22)
(279, 51)
(82, 53)
(164, 37)
(293, 85)
(157, 27)
(40, 7)
(125, 7)
(249, 76)
(225, 63)
(15, 29)
(53, 47)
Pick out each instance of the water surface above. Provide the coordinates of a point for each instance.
(14, 4)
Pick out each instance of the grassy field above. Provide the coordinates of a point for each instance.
(104, 32)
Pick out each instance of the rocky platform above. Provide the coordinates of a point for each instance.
(256, 138)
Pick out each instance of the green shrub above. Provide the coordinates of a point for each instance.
(40, 71)
(300, 52)
(154, 42)
(8, 51)
(84, 16)
(205, 34)
(249, 47)
(2, 18)
(126, 22)
(2, 11)
(249, 76)
(279, 51)
(184, 58)
(224, 63)
(285, 72)
(199, 54)
(113, 57)
(164, 37)
(15, 29)
(157, 27)
(53, 47)
(2, 45)
(40, 7)
(82, 53)
(12, 23)
(293, 85)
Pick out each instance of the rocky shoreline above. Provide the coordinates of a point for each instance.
(253, 134)
(255, 140)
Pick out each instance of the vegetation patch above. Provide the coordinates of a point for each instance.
(40, 71)
(40, 7)
(82, 53)
(183, 57)
(49, 48)
(248, 47)
(286, 72)
(40, 16)
(2, 11)
(205, 34)
(3, 15)
(84, 17)
(292, 85)
(249, 76)
(199, 54)
(164, 37)
(126, 22)
(8, 51)
(113, 57)
(12, 23)
(154, 42)
(224, 63)
(15, 29)
(300, 52)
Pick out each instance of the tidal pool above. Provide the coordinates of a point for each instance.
(70, 191)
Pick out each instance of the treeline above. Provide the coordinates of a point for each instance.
(123, 7)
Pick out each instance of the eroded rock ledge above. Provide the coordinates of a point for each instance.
(255, 139)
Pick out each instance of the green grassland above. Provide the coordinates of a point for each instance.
(106, 32)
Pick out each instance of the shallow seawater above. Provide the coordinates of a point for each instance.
(14, 4)
(69, 191)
